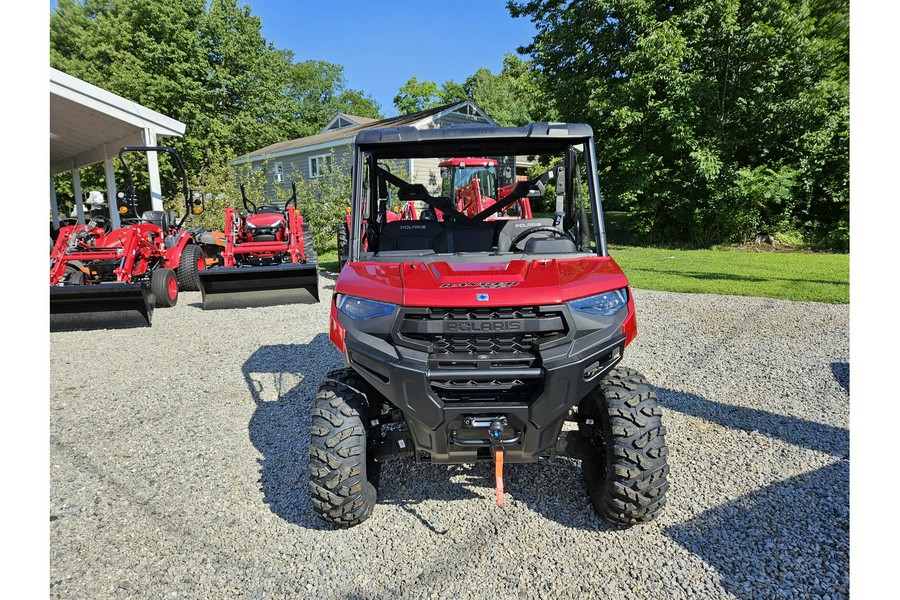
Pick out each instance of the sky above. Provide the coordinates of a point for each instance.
(383, 43)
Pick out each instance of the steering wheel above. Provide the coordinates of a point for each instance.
(99, 221)
(537, 229)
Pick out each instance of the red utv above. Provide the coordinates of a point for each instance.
(477, 339)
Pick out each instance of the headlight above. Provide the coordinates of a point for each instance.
(360, 309)
(604, 305)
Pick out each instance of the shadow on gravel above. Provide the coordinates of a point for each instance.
(283, 381)
(553, 489)
(789, 539)
(799, 432)
(791, 536)
(841, 372)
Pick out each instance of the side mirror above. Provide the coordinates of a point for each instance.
(445, 173)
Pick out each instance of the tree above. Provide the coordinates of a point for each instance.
(511, 97)
(415, 96)
(318, 92)
(716, 119)
(206, 64)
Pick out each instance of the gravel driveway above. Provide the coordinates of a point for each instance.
(178, 469)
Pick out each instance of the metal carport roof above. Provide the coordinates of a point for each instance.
(89, 125)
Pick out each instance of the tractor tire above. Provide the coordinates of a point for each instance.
(343, 243)
(308, 249)
(342, 480)
(164, 285)
(626, 477)
(192, 260)
(74, 277)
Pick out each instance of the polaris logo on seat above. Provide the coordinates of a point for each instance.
(482, 326)
(531, 224)
(413, 227)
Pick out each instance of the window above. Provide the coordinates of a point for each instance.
(279, 172)
(319, 165)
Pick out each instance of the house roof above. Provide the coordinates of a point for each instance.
(354, 119)
(348, 134)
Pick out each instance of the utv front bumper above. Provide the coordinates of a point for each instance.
(454, 372)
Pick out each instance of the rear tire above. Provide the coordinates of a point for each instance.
(192, 261)
(164, 285)
(343, 244)
(342, 480)
(308, 249)
(627, 476)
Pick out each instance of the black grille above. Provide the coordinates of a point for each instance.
(485, 340)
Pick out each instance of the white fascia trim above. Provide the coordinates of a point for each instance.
(336, 117)
(428, 120)
(95, 98)
(301, 150)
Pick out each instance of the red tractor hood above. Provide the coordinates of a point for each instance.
(265, 220)
(467, 284)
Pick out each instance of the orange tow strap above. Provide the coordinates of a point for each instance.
(498, 474)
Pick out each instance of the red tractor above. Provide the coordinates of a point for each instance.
(476, 339)
(472, 186)
(268, 258)
(103, 278)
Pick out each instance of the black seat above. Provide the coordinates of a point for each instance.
(409, 235)
(158, 218)
(550, 245)
(465, 238)
(508, 230)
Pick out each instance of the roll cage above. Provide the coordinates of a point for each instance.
(568, 142)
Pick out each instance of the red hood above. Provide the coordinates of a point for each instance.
(512, 283)
(265, 219)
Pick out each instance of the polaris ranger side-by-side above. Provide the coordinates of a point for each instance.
(477, 339)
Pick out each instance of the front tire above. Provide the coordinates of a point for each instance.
(192, 261)
(342, 481)
(164, 286)
(626, 477)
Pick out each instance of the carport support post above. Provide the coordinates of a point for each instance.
(156, 202)
(110, 174)
(54, 207)
(79, 201)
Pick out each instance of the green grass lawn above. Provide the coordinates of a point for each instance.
(783, 275)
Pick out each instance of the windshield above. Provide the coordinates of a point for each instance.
(486, 176)
(443, 210)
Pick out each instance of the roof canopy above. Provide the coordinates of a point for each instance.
(89, 124)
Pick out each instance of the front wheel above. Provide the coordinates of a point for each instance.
(342, 480)
(626, 476)
(192, 261)
(164, 286)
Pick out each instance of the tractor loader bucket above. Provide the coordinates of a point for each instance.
(103, 306)
(244, 287)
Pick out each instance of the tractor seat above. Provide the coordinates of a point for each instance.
(271, 208)
(158, 218)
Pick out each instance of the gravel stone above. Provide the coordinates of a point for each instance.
(178, 469)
